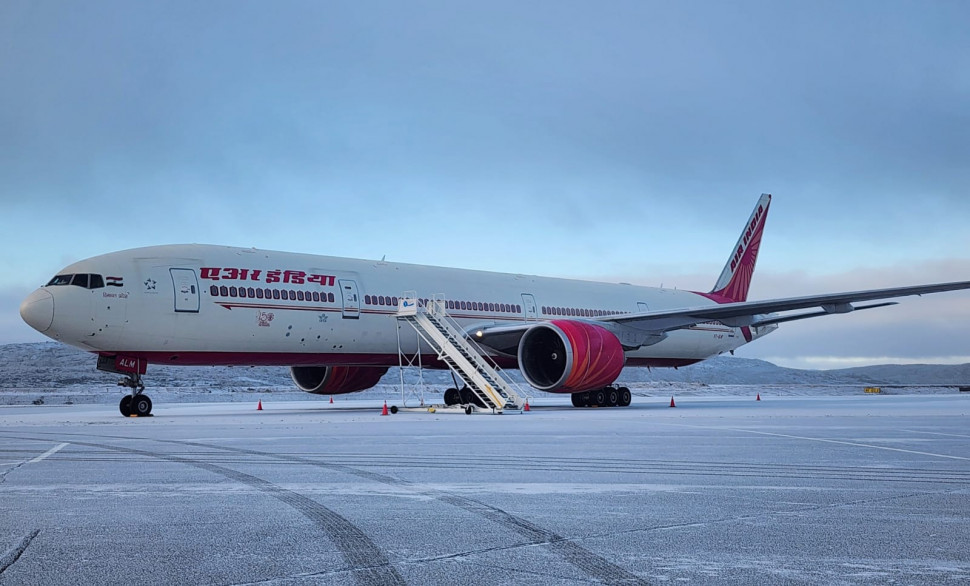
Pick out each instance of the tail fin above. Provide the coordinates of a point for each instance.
(735, 279)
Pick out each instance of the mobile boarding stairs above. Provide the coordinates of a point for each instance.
(446, 337)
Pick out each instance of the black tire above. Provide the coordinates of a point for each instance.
(468, 410)
(597, 398)
(125, 406)
(470, 398)
(625, 397)
(393, 409)
(612, 397)
(452, 397)
(141, 405)
(577, 399)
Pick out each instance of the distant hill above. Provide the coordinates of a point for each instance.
(49, 364)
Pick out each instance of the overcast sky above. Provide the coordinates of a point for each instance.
(624, 141)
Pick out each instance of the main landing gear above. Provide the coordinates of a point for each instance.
(464, 396)
(136, 403)
(605, 397)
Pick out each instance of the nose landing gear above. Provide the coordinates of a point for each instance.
(136, 403)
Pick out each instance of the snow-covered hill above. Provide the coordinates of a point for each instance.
(49, 365)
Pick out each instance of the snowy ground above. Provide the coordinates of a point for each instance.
(412, 395)
(793, 489)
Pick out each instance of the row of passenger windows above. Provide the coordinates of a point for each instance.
(391, 301)
(577, 312)
(87, 281)
(260, 293)
(482, 306)
(383, 300)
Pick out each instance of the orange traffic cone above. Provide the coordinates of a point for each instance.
(526, 408)
(758, 398)
(672, 404)
(384, 410)
(259, 406)
(331, 399)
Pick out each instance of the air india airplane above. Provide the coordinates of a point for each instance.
(333, 320)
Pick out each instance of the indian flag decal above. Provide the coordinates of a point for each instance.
(114, 281)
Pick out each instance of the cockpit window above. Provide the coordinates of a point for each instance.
(60, 280)
(80, 280)
(86, 280)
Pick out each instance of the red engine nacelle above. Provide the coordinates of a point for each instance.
(335, 380)
(569, 356)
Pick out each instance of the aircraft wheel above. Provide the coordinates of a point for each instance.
(125, 405)
(625, 397)
(141, 405)
(612, 397)
(578, 399)
(468, 410)
(452, 396)
(470, 398)
(597, 398)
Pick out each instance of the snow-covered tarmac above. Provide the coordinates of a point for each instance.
(794, 490)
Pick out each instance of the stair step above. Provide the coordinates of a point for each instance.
(450, 344)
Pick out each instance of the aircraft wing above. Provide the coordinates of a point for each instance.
(755, 313)
(738, 314)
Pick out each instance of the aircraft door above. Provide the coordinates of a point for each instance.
(349, 298)
(529, 308)
(186, 290)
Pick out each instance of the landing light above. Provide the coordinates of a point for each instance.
(479, 334)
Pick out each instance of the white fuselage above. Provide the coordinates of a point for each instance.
(202, 304)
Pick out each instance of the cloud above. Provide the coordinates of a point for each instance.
(622, 142)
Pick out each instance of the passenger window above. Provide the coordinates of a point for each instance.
(214, 290)
(233, 292)
(252, 293)
(224, 291)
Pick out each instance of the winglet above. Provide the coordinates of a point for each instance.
(735, 279)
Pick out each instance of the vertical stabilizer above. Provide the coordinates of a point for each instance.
(735, 279)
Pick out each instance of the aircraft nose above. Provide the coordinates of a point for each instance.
(38, 310)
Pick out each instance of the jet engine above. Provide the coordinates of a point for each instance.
(335, 380)
(567, 356)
